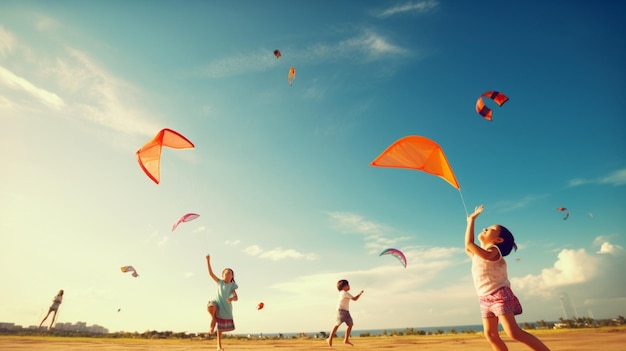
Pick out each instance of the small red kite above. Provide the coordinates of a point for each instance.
(485, 111)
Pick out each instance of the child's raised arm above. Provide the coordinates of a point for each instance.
(470, 245)
(208, 263)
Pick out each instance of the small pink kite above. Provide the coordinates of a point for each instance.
(126, 269)
(186, 218)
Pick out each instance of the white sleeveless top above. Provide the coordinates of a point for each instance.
(489, 276)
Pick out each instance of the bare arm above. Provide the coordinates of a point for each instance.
(470, 246)
(234, 297)
(208, 263)
(354, 298)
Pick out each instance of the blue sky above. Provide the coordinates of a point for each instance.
(280, 174)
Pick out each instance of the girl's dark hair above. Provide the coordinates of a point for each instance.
(341, 284)
(508, 241)
(229, 269)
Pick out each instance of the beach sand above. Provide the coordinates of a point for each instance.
(606, 339)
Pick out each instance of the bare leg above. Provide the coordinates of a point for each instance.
(219, 340)
(513, 330)
(490, 326)
(54, 316)
(329, 341)
(212, 309)
(346, 339)
(44, 318)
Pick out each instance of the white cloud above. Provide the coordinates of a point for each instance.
(370, 44)
(363, 48)
(409, 7)
(101, 97)
(199, 229)
(89, 91)
(256, 61)
(571, 267)
(16, 82)
(253, 250)
(232, 242)
(353, 223)
(278, 254)
(46, 24)
(608, 248)
(577, 182)
(506, 206)
(615, 178)
(7, 42)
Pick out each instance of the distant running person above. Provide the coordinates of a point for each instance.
(56, 302)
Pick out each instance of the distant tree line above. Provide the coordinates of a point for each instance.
(583, 322)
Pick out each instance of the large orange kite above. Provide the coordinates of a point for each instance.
(149, 156)
(418, 153)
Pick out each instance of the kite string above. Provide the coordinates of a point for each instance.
(463, 201)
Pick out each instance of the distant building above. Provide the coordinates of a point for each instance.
(76, 327)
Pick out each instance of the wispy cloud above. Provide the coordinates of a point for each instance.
(409, 7)
(615, 178)
(371, 44)
(44, 23)
(7, 42)
(278, 253)
(16, 82)
(354, 223)
(88, 90)
(232, 242)
(506, 206)
(365, 47)
(256, 61)
(100, 96)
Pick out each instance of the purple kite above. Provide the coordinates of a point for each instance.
(397, 254)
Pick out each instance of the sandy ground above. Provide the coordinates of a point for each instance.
(606, 339)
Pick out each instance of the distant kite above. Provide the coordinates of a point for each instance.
(260, 306)
(292, 75)
(149, 156)
(418, 153)
(126, 269)
(277, 53)
(566, 212)
(186, 218)
(485, 111)
(397, 254)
